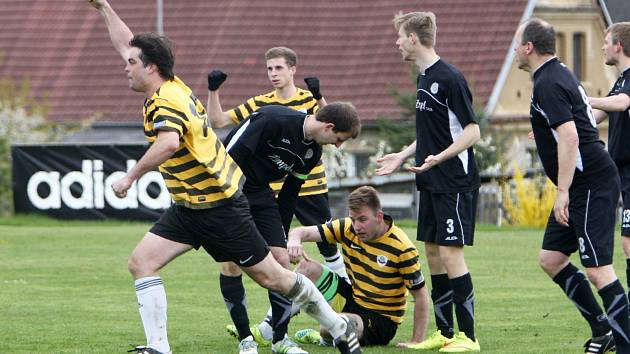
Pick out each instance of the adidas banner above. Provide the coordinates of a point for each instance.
(74, 182)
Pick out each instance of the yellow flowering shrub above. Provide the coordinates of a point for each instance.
(528, 201)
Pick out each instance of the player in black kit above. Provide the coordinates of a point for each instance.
(583, 216)
(447, 178)
(273, 143)
(615, 106)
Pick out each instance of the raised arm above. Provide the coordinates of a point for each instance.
(119, 33)
(218, 118)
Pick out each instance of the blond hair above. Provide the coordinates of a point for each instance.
(421, 23)
(620, 33)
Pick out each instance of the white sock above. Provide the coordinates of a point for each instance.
(335, 263)
(152, 303)
(265, 326)
(305, 294)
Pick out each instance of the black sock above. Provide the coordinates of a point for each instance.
(616, 304)
(628, 274)
(234, 296)
(463, 298)
(577, 288)
(442, 297)
(280, 315)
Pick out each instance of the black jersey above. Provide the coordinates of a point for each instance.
(271, 145)
(558, 98)
(619, 124)
(443, 109)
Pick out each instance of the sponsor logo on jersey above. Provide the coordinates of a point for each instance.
(381, 260)
(309, 154)
(434, 88)
(422, 106)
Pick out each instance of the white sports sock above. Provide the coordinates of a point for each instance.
(337, 265)
(305, 294)
(152, 303)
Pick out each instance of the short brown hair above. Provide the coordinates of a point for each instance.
(364, 196)
(620, 33)
(282, 52)
(343, 115)
(541, 34)
(421, 23)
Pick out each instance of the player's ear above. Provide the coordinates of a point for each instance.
(330, 126)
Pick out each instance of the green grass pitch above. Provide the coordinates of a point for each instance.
(64, 288)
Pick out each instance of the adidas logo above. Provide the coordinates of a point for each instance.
(451, 238)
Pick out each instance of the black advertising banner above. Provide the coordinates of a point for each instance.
(74, 182)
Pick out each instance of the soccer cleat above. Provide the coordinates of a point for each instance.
(231, 329)
(434, 341)
(145, 350)
(287, 346)
(248, 346)
(308, 336)
(461, 344)
(258, 337)
(600, 345)
(348, 343)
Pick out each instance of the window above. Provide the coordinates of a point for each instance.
(578, 56)
(561, 46)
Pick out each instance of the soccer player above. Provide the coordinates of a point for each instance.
(277, 142)
(583, 215)
(312, 205)
(447, 178)
(383, 265)
(209, 208)
(615, 106)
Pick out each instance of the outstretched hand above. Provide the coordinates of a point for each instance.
(388, 164)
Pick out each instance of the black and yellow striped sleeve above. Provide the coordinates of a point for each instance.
(168, 118)
(409, 267)
(332, 231)
(242, 111)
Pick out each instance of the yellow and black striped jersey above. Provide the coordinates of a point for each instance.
(381, 270)
(200, 174)
(302, 101)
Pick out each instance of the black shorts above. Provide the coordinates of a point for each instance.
(591, 228)
(313, 209)
(624, 174)
(267, 217)
(447, 219)
(227, 232)
(377, 329)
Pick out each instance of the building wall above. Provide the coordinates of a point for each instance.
(569, 18)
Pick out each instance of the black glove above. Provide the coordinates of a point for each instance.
(312, 82)
(215, 79)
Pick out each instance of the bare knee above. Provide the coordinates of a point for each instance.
(230, 269)
(625, 243)
(269, 274)
(552, 262)
(601, 276)
(140, 266)
(310, 269)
